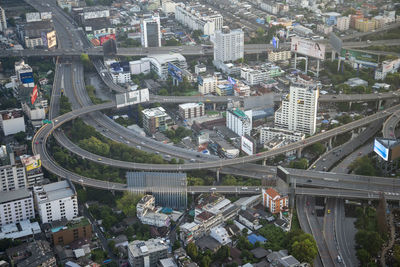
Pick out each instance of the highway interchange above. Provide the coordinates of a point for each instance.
(70, 77)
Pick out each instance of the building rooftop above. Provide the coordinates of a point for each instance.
(31, 254)
(14, 195)
(165, 58)
(11, 114)
(272, 193)
(140, 248)
(191, 105)
(155, 112)
(54, 191)
(204, 216)
(19, 230)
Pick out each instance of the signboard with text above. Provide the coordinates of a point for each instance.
(247, 145)
(307, 48)
(359, 57)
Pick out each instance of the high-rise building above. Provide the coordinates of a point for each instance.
(33, 170)
(168, 189)
(229, 45)
(343, 23)
(298, 111)
(3, 20)
(199, 17)
(16, 206)
(24, 73)
(150, 32)
(239, 121)
(12, 175)
(147, 253)
(56, 201)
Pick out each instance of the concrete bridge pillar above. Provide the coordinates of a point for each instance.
(333, 56)
(292, 191)
(349, 105)
(217, 175)
(379, 104)
(330, 143)
(295, 60)
(299, 152)
(215, 106)
(264, 162)
(352, 135)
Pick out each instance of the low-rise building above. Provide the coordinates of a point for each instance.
(221, 235)
(147, 212)
(207, 84)
(12, 121)
(147, 253)
(353, 82)
(253, 76)
(191, 110)
(274, 201)
(159, 63)
(279, 55)
(343, 23)
(249, 220)
(16, 206)
(269, 133)
(34, 254)
(33, 169)
(64, 232)
(56, 201)
(20, 230)
(155, 119)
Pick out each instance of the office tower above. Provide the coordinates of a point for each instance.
(298, 111)
(228, 45)
(16, 206)
(150, 32)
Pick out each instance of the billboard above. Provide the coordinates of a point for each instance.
(133, 97)
(175, 72)
(381, 150)
(31, 163)
(359, 57)
(275, 42)
(307, 48)
(34, 94)
(51, 39)
(247, 145)
(105, 38)
(231, 80)
(390, 65)
(335, 42)
(26, 77)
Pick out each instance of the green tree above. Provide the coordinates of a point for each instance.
(176, 245)
(304, 248)
(299, 164)
(192, 251)
(382, 223)
(127, 203)
(229, 180)
(318, 148)
(95, 145)
(363, 166)
(87, 64)
(20, 136)
(205, 261)
(370, 241)
(396, 253)
(363, 256)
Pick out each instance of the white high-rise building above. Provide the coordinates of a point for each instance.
(150, 32)
(238, 121)
(12, 175)
(343, 23)
(16, 206)
(56, 201)
(3, 20)
(299, 110)
(229, 45)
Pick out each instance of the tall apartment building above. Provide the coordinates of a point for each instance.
(56, 201)
(12, 121)
(279, 55)
(12, 175)
(238, 121)
(365, 25)
(147, 253)
(229, 45)
(3, 20)
(150, 32)
(298, 111)
(198, 17)
(207, 84)
(155, 119)
(274, 201)
(343, 23)
(191, 110)
(16, 206)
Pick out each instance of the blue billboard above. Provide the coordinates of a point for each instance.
(231, 80)
(381, 150)
(275, 42)
(200, 80)
(26, 77)
(175, 72)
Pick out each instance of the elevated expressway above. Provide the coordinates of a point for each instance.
(390, 125)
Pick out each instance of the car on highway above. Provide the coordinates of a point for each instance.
(99, 159)
(213, 188)
(314, 166)
(192, 160)
(329, 211)
(244, 188)
(81, 180)
(138, 147)
(339, 259)
(309, 181)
